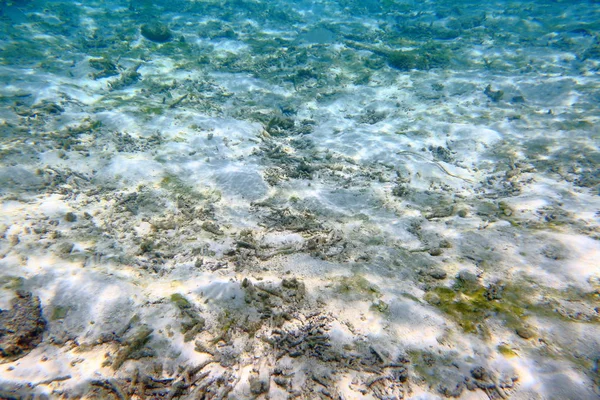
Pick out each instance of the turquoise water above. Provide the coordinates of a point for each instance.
(311, 199)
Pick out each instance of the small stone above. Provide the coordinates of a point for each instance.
(381, 306)
(146, 246)
(281, 381)
(70, 217)
(279, 126)
(525, 332)
(494, 292)
(438, 273)
(66, 248)
(292, 283)
(445, 244)
(156, 32)
(212, 228)
(258, 386)
(400, 190)
(435, 252)
(467, 277)
(480, 373)
(463, 213)
(494, 95)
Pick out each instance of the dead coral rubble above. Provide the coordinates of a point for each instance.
(21, 327)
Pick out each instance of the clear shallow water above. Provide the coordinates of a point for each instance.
(318, 199)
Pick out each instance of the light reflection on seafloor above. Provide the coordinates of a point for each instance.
(251, 199)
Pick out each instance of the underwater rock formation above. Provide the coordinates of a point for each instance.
(21, 327)
(156, 32)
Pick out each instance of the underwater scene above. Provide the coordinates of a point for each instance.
(293, 199)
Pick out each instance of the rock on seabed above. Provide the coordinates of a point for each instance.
(21, 327)
(156, 32)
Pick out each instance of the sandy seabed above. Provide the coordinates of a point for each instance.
(315, 200)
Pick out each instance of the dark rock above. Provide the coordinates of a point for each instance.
(279, 126)
(135, 343)
(442, 153)
(70, 217)
(400, 190)
(156, 32)
(494, 95)
(438, 273)
(281, 381)
(106, 68)
(146, 246)
(258, 386)
(445, 244)
(21, 327)
(48, 107)
(435, 252)
(423, 58)
(494, 292)
(463, 213)
(212, 228)
(292, 283)
(128, 77)
(480, 373)
(372, 117)
(404, 61)
(66, 248)
(102, 64)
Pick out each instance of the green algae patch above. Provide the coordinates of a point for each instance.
(506, 351)
(470, 306)
(357, 285)
(380, 306)
(177, 186)
(152, 110)
(192, 323)
(59, 313)
(180, 189)
(424, 58)
(180, 301)
(226, 324)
